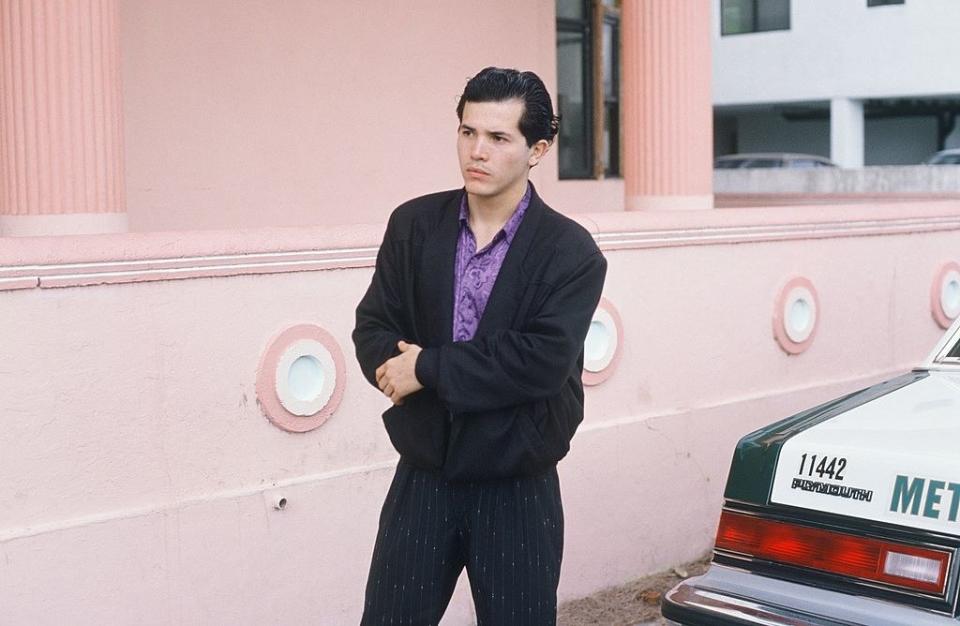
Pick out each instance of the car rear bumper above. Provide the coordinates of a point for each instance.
(726, 596)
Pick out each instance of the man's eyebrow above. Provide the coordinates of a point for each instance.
(499, 134)
(495, 133)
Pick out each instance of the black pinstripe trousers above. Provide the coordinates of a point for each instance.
(507, 533)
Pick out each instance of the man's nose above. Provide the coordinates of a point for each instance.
(479, 150)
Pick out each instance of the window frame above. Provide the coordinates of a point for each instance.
(603, 168)
(755, 26)
(584, 28)
(597, 14)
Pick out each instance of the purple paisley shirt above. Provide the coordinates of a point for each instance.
(476, 271)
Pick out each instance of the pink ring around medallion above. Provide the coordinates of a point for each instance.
(604, 344)
(303, 404)
(944, 292)
(796, 315)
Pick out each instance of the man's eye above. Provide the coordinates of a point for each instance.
(499, 139)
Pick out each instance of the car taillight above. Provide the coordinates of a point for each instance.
(888, 562)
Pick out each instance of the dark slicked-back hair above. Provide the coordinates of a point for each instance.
(496, 84)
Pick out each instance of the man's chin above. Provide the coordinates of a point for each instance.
(477, 188)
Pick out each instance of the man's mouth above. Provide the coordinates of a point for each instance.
(473, 171)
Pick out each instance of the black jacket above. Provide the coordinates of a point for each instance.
(507, 402)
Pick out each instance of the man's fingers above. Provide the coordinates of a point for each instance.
(396, 371)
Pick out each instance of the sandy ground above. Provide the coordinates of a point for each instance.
(632, 604)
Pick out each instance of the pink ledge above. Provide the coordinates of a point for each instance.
(178, 244)
(879, 210)
(16, 252)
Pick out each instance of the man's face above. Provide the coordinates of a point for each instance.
(494, 157)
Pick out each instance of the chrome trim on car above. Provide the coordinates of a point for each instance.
(720, 609)
(727, 596)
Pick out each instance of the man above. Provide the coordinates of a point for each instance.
(473, 326)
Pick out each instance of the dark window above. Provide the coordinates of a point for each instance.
(752, 16)
(574, 103)
(610, 148)
(571, 9)
(588, 87)
(880, 3)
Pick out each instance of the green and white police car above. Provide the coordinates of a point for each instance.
(847, 513)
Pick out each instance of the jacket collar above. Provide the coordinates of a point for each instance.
(509, 286)
(438, 262)
(435, 276)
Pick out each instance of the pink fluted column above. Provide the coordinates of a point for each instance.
(61, 126)
(667, 109)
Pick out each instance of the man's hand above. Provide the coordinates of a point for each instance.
(397, 377)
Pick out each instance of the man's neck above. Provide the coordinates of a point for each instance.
(495, 211)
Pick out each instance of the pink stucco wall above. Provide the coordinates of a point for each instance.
(141, 474)
(306, 112)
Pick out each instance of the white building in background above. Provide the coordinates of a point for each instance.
(865, 82)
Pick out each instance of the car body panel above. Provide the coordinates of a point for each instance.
(886, 470)
(893, 459)
(756, 455)
(751, 160)
(950, 156)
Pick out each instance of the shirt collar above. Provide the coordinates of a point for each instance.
(510, 228)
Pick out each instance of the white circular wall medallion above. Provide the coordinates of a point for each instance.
(301, 378)
(795, 315)
(602, 347)
(305, 377)
(945, 294)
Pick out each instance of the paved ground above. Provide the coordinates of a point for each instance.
(636, 603)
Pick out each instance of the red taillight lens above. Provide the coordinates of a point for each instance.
(899, 564)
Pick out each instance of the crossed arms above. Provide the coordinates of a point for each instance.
(500, 368)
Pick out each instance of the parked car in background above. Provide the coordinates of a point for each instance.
(845, 514)
(771, 159)
(944, 157)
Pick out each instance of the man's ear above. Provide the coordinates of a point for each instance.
(537, 151)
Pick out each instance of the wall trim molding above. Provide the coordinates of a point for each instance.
(113, 272)
(137, 257)
(777, 232)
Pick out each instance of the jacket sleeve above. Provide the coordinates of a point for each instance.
(379, 316)
(511, 367)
